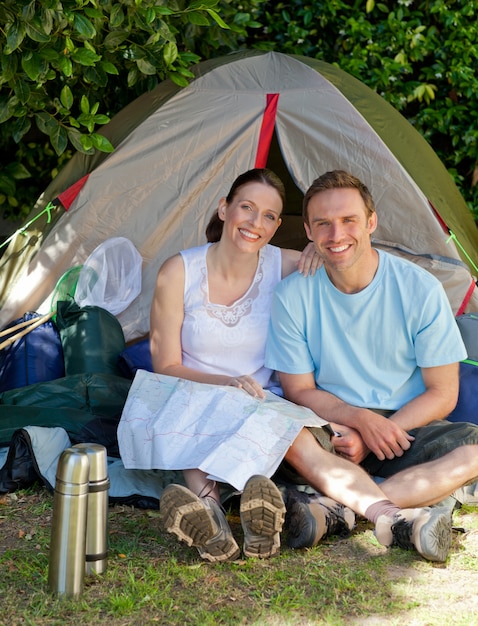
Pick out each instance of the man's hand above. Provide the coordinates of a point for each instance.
(382, 436)
(349, 444)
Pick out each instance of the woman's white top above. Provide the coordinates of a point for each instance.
(229, 340)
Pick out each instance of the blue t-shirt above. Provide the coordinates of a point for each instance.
(366, 348)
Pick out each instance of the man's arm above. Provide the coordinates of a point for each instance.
(436, 402)
(382, 436)
(366, 431)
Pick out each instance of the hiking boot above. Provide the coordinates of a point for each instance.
(262, 513)
(312, 518)
(427, 530)
(199, 522)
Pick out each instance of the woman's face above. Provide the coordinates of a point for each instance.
(253, 216)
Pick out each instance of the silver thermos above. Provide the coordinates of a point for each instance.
(66, 569)
(97, 515)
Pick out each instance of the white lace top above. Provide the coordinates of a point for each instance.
(228, 340)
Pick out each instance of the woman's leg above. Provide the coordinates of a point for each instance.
(198, 482)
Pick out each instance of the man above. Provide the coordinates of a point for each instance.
(370, 344)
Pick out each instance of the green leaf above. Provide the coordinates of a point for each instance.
(7, 109)
(69, 45)
(33, 65)
(74, 122)
(36, 32)
(150, 15)
(198, 19)
(65, 65)
(170, 53)
(93, 13)
(84, 26)
(85, 57)
(75, 138)
(59, 139)
(9, 66)
(101, 143)
(87, 144)
(66, 97)
(109, 68)
(21, 128)
(84, 104)
(15, 35)
(133, 76)
(145, 67)
(178, 79)
(116, 16)
(18, 171)
(215, 16)
(7, 185)
(44, 122)
(28, 11)
(369, 6)
(96, 76)
(114, 39)
(163, 11)
(101, 119)
(22, 90)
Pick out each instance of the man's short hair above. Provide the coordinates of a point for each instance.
(337, 179)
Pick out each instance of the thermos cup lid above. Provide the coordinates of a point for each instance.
(98, 460)
(72, 472)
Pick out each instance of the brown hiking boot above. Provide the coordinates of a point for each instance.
(310, 519)
(262, 512)
(199, 522)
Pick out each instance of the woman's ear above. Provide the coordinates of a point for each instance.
(221, 209)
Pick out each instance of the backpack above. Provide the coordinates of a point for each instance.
(35, 356)
(466, 409)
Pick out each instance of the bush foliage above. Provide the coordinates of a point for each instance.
(67, 67)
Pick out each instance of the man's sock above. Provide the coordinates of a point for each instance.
(383, 507)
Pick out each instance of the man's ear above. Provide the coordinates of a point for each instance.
(372, 222)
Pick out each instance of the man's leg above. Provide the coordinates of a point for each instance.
(332, 475)
(426, 530)
(431, 482)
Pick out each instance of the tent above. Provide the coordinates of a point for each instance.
(179, 149)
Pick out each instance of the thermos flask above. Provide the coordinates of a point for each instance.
(97, 515)
(66, 569)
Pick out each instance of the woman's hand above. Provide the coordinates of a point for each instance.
(248, 384)
(309, 261)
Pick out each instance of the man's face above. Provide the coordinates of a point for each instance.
(339, 227)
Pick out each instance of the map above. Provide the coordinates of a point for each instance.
(172, 424)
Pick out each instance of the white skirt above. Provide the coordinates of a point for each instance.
(174, 424)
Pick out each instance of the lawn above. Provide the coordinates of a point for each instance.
(152, 579)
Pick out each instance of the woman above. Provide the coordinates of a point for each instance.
(208, 302)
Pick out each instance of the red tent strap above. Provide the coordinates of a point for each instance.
(466, 299)
(267, 129)
(66, 197)
(440, 219)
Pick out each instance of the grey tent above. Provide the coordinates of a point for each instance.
(178, 150)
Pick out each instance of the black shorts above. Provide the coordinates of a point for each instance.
(431, 442)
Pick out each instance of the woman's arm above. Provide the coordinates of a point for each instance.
(167, 315)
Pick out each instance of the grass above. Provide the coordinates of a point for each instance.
(152, 579)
